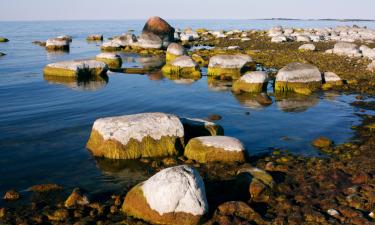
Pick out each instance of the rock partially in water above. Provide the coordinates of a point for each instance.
(136, 136)
(149, 41)
(95, 37)
(76, 198)
(57, 44)
(159, 27)
(229, 65)
(198, 127)
(174, 50)
(111, 59)
(215, 149)
(11, 195)
(347, 49)
(251, 82)
(330, 80)
(46, 187)
(174, 195)
(2, 54)
(307, 47)
(40, 43)
(65, 38)
(118, 43)
(3, 39)
(183, 66)
(76, 68)
(298, 77)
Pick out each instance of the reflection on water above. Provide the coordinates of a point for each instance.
(158, 75)
(52, 55)
(250, 100)
(156, 61)
(219, 85)
(80, 84)
(291, 102)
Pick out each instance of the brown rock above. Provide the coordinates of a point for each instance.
(322, 142)
(76, 198)
(59, 215)
(45, 187)
(11, 195)
(239, 209)
(214, 117)
(2, 212)
(158, 26)
(360, 178)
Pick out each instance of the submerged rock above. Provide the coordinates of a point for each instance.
(174, 50)
(95, 37)
(57, 44)
(46, 187)
(231, 65)
(136, 136)
(183, 66)
(3, 39)
(215, 149)
(251, 82)
(159, 27)
(111, 59)
(298, 77)
(174, 195)
(76, 68)
(322, 142)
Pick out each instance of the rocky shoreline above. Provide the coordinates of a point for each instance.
(198, 175)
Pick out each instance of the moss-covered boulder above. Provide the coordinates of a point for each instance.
(174, 50)
(198, 127)
(183, 66)
(175, 195)
(159, 27)
(298, 77)
(3, 39)
(76, 68)
(136, 136)
(251, 82)
(111, 59)
(215, 149)
(95, 37)
(57, 44)
(229, 65)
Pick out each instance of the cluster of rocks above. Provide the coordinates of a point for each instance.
(340, 33)
(352, 50)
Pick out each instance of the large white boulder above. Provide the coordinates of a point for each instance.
(76, 68)
(175, 195)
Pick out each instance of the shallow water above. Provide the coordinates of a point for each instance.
(45, 124)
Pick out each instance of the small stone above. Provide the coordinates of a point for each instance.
(59, 215)
(169, 161)
(333, 212)
(11, 195)
(2, 212)
(76, 198)
(214, 117)
(46, 187)
(322, 142)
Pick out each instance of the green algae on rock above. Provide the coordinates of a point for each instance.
(229, 65)
(76, 68)
(111, 59)
(183, 66)
(175, 195)
(136, 136)
(215, 149)
(298, 77)
(3, 39)
(251, 82)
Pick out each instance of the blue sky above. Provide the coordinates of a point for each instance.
(187, 9)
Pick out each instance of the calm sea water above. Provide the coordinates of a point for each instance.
(44, 125)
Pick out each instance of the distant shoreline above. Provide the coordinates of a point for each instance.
(339, 20)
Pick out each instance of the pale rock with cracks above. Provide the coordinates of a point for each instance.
(222, 142)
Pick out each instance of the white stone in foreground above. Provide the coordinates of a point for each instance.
(299, 72)
(176, 189)
(138, 126)
(184, 61)
(222, 142)
(256, 77)
(57, 42)
(229, 61)
(308, 47)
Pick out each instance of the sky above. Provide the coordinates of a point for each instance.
(11, 10)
